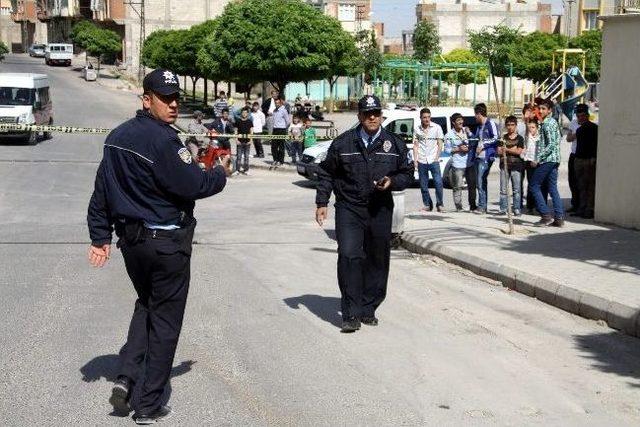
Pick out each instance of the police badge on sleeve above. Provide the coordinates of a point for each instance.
(185, 155)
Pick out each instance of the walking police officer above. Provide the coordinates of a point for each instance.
(362, 167)
(145, 189)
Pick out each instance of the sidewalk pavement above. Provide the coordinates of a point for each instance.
(587, 269)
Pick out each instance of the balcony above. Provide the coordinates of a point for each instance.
(25, 11)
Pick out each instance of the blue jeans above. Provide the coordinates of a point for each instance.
(483, 169)
(546, 174)
(423, 173)
(516, 180)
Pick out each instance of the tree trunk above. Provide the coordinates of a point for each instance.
(495, 91)
(206, 93)
(215, 90)
(332, 83)
(193, 88)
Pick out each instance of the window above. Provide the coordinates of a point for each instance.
(43, 95)
(590, 20)
(346, 12)
(403, 128)
(17, 96)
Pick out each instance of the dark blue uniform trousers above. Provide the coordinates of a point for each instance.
(160, 270)
(364, 247)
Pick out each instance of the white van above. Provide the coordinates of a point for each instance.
(401, 122)
(25, 99)
(58, 53)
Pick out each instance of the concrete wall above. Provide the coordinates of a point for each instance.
(618, 169)
(455, 19)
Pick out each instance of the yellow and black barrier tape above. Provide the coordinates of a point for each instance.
(16, 127)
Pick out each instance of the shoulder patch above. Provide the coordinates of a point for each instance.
(185, 155)
(386, 146)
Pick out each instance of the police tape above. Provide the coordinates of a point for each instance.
(6, 127)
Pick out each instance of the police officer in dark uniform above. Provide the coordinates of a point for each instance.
(145, 189)
(362, 167)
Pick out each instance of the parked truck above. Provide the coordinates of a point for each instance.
(58, 53)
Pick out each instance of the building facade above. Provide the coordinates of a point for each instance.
(10, 31)
(29, 30)
(583, 15)
(454, 18)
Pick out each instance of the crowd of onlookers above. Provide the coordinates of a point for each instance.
(273, 116)
(527, 150)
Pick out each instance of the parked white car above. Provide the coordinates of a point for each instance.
(402, 123)
(58, 53)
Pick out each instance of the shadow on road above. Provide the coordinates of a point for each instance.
(612, 352)
(106, 366)
(326, 308)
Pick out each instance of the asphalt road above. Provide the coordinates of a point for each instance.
(261, 344)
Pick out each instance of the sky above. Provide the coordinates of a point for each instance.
(399, 15)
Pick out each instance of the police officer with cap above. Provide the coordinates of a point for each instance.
(145, 190)
(362, 167)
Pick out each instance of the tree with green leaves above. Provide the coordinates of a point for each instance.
(280, 41)
(495, 45)
(3, 50)
(152, 54)
(591, 43)
(532, 57)
(346, 62)
(463, 76)
(426, 41)
(96, 41)
(370, 56)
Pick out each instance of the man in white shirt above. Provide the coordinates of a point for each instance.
(259, 121)
(573, 184)
(427, 146)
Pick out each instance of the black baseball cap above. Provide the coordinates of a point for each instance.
(369, 103)
(161, 81)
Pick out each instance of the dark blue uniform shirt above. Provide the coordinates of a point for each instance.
(350, 169)
(146, 174)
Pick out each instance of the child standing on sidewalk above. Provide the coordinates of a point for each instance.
(511, 146)
(310, 138)
(244, 126)
(295, 132)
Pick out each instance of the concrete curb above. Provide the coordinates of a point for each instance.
(617, 315)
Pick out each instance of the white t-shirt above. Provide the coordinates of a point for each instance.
(259, 120)
(529, 153)
(573, 126)
(295, 129)
(272, 106)
(427, 140)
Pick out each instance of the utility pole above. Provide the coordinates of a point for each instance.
(143, 35)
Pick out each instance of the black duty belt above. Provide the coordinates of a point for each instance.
(159, 233)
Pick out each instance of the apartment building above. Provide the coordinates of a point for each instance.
(455, 18)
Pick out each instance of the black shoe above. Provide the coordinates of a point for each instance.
(120, 394)
(558, 222)
(544, 221)
(350, 325)
(369, 321)
(145, 419)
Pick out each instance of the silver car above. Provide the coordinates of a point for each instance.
(37, 50)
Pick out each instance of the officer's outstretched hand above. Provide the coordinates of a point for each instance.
(99, 255)
(321, 215)
(384, 184)
(225, 161)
